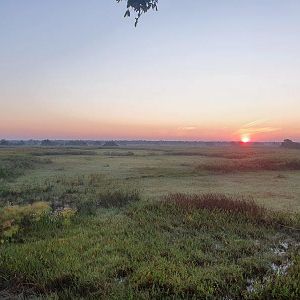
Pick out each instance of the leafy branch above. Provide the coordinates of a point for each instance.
(139, 7)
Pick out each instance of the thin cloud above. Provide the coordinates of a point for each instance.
(254, 128)
(187, 128)
(254, 123)
(258, 130)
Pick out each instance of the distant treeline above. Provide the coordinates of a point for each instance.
(55, 143)
(290, 144)
(102, 143)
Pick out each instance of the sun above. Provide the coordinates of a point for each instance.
(245, 139)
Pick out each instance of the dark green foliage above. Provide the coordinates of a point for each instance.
(139, 7)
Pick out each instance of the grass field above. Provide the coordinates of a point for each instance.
(150, 223)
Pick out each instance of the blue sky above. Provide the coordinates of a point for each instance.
(206, 70)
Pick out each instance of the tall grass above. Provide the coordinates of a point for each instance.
(108, 199)
(213, 202)
(15, 165)
(86, 193)
(251, 165)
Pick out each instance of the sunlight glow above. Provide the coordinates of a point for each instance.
(245, 139)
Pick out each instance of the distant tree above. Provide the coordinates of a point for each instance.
(4, 142)
(287, 141)
(20, 143)
(49, 143)
(139, 7)
(110, 144)
(290, 144)
(76, 143)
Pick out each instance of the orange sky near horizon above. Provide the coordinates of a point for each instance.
(82, 129)
(215, 71)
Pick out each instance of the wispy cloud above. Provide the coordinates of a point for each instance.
(256, 127)
(187, 128)
(258, 130)
(254, 123)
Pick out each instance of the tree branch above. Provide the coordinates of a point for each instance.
(139, 7)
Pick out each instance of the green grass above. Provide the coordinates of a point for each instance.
(148, 225)
(15, 165)
(153, 250)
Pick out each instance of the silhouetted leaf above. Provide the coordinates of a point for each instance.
(139, 7)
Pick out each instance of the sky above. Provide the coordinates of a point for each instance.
(194, 70)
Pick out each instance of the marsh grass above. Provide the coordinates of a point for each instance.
(118, 153)
(108, 199)
(12, 166)
(99, 241)
(219, 202)
(252, 165)
(236, 155)
(63, 151)
(156, 250)
(85, 193)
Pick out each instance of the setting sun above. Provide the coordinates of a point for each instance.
(245, 139)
